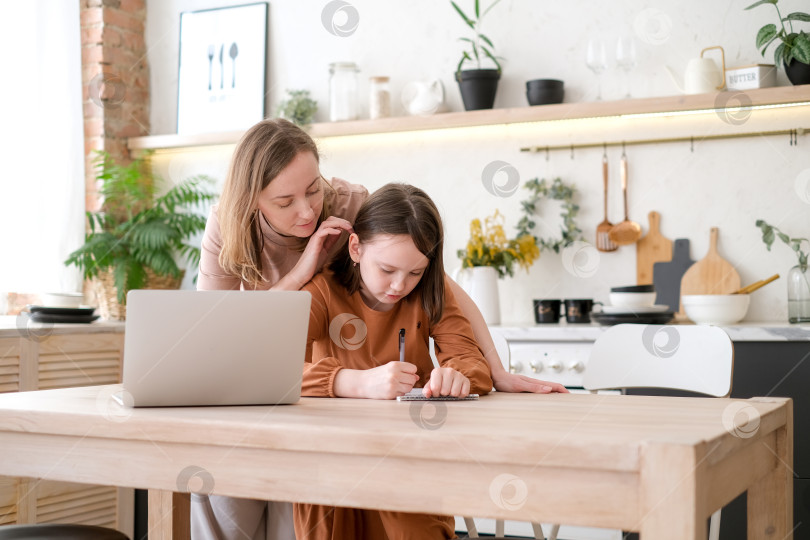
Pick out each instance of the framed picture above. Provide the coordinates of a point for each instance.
(221, 82)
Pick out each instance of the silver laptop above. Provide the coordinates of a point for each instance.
(184, 348)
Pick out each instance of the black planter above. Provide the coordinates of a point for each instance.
(478, 88)
(797, 72)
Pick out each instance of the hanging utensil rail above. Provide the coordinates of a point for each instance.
(793, 133)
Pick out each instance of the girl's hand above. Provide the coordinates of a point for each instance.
(447, 382)
(318, 247)
(510, 382)
(389, 380)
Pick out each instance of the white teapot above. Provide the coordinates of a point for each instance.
(702, 74)
(423, 97)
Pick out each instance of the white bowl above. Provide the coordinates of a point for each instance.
(716, 309)
(63, 300)
(632, 299)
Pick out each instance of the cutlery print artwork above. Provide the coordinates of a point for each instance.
(233, 52)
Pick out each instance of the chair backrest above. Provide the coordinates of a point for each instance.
(694, 358)
(502, 348)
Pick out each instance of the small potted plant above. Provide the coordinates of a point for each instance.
(134, 240)
(794, 50)
(798, 278)
(490, 255)
(478, 86)
(298, 107)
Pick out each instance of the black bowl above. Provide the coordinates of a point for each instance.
(544, 91)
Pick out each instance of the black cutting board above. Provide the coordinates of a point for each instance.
(606, 319)
(667, 275)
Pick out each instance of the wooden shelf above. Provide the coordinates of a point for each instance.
(541, 113)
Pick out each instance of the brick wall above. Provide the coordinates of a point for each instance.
(115, 81)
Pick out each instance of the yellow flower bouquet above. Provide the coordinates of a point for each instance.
(489, 246)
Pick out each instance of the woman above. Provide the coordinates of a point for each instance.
(277, 222)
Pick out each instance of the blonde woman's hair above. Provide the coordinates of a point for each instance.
(401, 209)
(261, 154)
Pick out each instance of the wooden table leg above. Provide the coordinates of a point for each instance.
(770, 499)
(670, 508)
(169, 515)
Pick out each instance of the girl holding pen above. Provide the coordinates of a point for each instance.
(390, 287)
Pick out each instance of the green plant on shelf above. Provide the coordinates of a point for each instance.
(481, 46)
(793, 44)
(298, 107)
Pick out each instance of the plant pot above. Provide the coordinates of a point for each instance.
(478, 88)
(797, 72)
(107, 294)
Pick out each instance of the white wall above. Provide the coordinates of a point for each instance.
(728, 184)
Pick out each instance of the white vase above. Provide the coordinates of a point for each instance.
(481, 284)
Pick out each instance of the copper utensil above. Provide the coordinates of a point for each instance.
(603, 242)
(756, 285)
(627, 232)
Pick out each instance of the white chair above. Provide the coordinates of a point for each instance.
(502, 348)
(693, 358)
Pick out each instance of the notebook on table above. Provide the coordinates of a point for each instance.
(189, 348)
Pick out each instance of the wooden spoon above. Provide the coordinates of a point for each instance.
(756, 285)
(603, 242)
(627, 232)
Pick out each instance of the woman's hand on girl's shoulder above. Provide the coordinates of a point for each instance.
(511, 382)
(318, 246)
(447, 382)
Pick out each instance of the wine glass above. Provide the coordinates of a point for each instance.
(596, 60)
(626, 58)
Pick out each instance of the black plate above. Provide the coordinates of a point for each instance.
(637, 318)
(45, 310)
(634, 288)
(52, 318)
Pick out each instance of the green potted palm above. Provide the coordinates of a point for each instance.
(135, 240)
(793, 53)
(478, 86)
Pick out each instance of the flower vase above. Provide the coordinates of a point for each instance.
(481, 284)
(798, 287)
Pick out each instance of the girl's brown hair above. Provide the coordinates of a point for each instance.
(401, 209)
(261, 154)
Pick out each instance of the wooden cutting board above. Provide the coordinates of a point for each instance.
(712, 274)
(651, 249)
(667, 275)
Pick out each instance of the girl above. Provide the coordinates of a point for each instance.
(391, 277)
(276, 223)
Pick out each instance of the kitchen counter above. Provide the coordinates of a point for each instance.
(15, 326)
(746, 331)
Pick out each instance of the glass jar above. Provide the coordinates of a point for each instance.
(379, 99)
(798, 286)
(343, 91)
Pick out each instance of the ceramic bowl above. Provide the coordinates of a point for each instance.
(63, 300)
(632, 299)
(544, 91)
(716, 309)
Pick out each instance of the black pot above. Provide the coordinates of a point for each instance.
(478, 88)
(544, 91)
(797, 72)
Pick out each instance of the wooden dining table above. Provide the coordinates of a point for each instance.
(657, 465)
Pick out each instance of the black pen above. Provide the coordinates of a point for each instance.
(401, 344)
